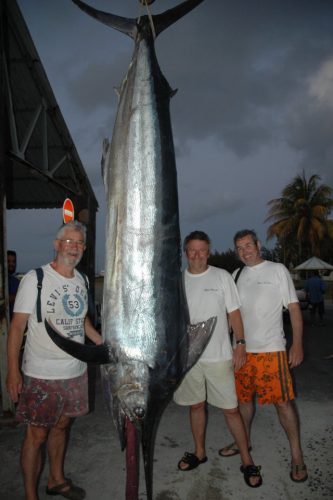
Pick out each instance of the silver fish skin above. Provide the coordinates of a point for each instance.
(144, 314)
(143, 308)
(147, 346)
(144, 319)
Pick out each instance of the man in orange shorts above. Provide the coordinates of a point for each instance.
(265, 288)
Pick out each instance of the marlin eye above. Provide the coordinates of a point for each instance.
(139, 412)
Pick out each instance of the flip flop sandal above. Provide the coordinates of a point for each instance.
(191, 460)
(72, 492)
(295, 469)
(251, 471)
(231, 447)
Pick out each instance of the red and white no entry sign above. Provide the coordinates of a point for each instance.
(68, 211)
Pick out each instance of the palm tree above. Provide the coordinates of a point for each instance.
(299, 217)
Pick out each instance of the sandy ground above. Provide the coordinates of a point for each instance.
(95, 462)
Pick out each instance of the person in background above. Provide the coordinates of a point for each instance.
(264, 288)
(54, 388)
(13, 281)
(315, 289)
(212, 292)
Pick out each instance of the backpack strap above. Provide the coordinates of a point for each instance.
(91, 308)
(238, 273)
(40, 276)
(85, 279)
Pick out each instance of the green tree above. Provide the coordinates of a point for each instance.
(300, 219)
(226, 260)
(269, 254)
(327, 244)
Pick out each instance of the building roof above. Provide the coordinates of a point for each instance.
(42, 164)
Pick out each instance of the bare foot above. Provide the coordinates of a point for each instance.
(298, 473)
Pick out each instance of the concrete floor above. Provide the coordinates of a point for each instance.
(95, 462)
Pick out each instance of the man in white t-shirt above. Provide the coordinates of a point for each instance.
(212, 292)
(54, 387)
(265, 288)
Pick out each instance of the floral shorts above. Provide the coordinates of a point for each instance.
(42, 402)
(267, 375)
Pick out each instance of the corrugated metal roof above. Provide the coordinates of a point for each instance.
(42, 164)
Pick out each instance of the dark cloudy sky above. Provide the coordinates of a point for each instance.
(254, 105)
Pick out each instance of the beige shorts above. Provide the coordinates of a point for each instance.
(211, 382)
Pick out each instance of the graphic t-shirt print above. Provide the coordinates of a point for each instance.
(66, 308)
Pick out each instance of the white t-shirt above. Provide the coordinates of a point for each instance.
(212, 293)
(64, 305)
(263, 290)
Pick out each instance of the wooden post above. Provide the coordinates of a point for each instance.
(7, 405)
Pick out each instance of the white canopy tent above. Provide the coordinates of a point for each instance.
(314, 264)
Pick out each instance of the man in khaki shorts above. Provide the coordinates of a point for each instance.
(212, 292)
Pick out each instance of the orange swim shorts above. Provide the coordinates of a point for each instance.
(267, 375)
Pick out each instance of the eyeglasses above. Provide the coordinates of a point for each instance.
(79, 243)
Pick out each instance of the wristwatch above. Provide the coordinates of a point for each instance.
(240, 341)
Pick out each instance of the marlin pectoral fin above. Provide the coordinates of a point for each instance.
(199, 335)
(100, 354)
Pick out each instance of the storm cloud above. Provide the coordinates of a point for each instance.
(254, 104)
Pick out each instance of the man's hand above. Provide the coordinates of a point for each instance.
(239, 356)
(14, 384)
(14, 343)
(295, 356)
(91, 332)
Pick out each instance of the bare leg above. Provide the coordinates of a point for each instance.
(289, 420)
(31, 459)
(247, 411)
(237, 429)
(198, 427)
(56, 447)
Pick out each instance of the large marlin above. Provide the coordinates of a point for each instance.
(148, 346)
